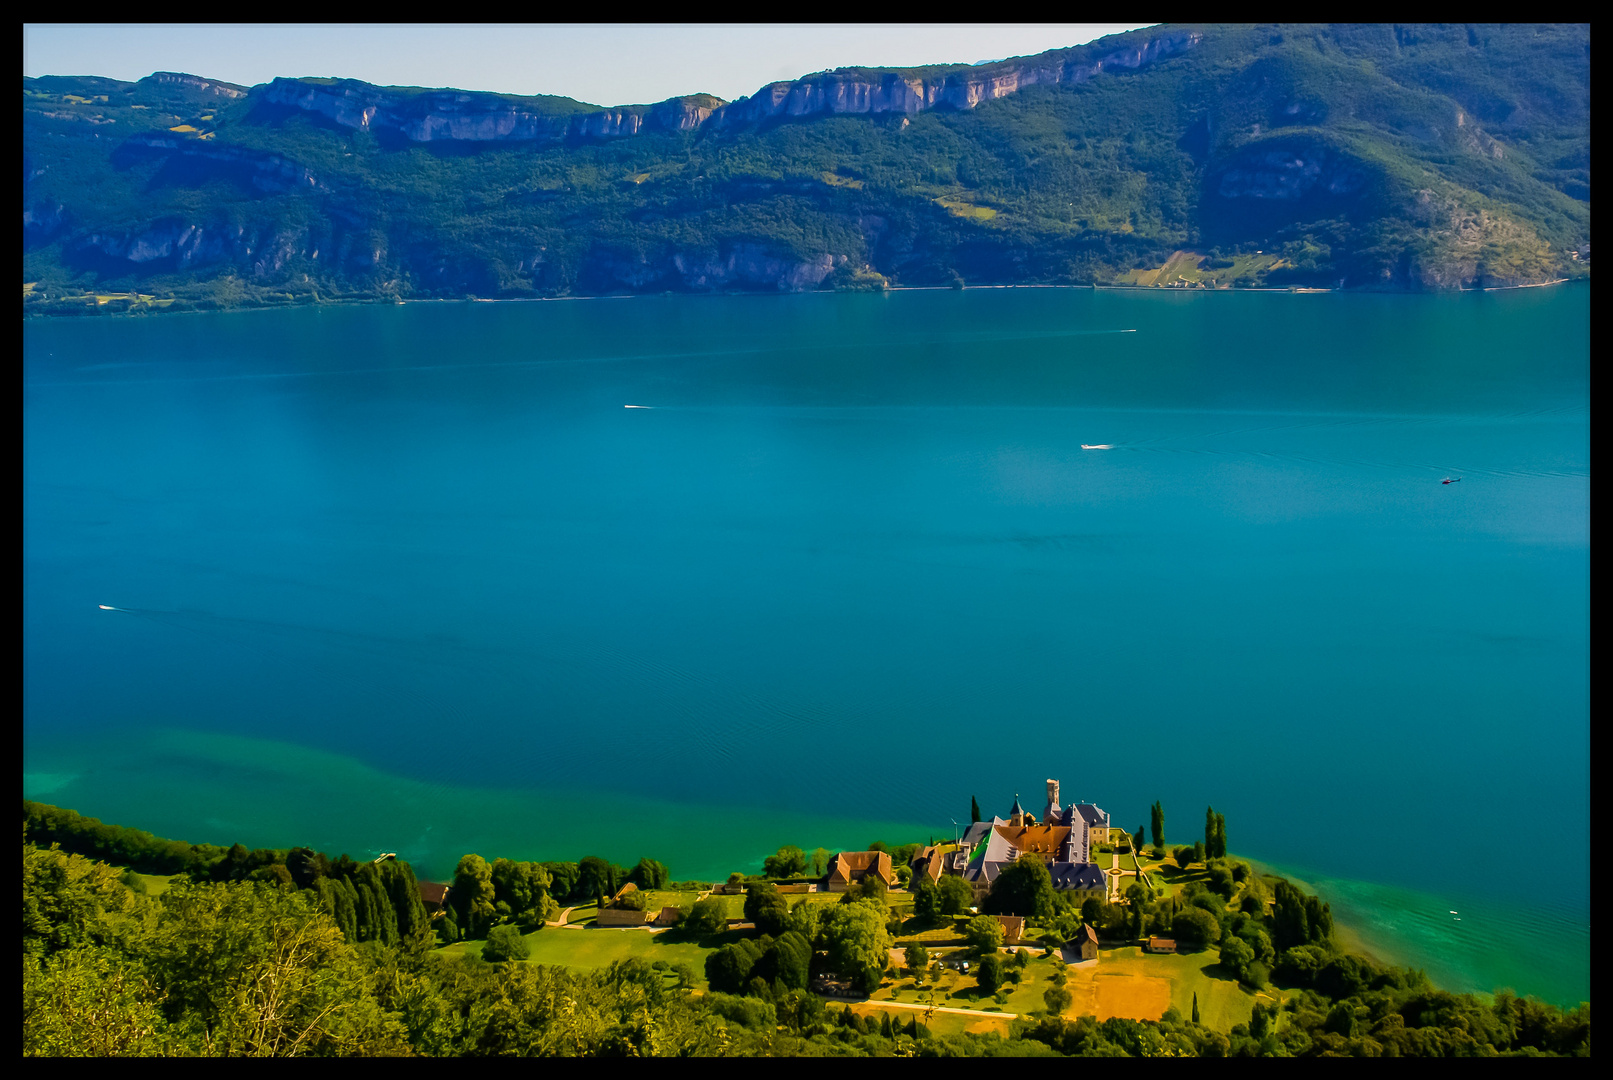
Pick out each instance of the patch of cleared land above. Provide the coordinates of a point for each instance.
(1131, 983)
(836, 180)
(1190, 268)
(591, 949)
(964, 209)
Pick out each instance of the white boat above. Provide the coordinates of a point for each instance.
(1097, 446)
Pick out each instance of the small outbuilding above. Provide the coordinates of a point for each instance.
(1162, 944)
(1085, 943)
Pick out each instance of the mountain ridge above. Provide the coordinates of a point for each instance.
(1367, 157)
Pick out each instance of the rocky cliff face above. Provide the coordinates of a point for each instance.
(888, 92)
(454, 115)
(459, 116)
(194, 82)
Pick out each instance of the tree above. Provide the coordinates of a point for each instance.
(594, 878)
(1220, 836)
(766, 907)
(858, 943)
(505, 943)
(806, 920)
(472, 895)
(264, 973)
(820, 862)
(1023, 888)
(1137, 896)
(1157, 825)
(1137, 841)
(649, 874)
(792, 959)
(1236, 956)
(1058, 999)
(974, 810)
(926, 901)
(989, 972)
(1090, 910)
(1196, 928)
(789, 862)
(707, 918)
(1209, 831)
(918, 961)
(957, 896)
(1195, 1006)
(985, 933)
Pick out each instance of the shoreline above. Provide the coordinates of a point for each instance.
(396, 302)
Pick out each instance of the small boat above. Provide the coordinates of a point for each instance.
(1097, 446)
(1451, 480)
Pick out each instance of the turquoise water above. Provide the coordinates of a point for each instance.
(413, 579)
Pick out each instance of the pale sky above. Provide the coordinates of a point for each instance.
(609, 64)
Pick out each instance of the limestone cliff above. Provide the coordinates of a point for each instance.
(462, 116)
(457, 115)
(875, 93)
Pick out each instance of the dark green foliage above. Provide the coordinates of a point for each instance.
(729, 968)
(597, 879)
(1156, 824)
(989, 972)
(984, 933)
(926, 901)
(505, 943)
(792, 960)
(956, 895)
(649, 874)
(706, 918)
(242, 968)
(789, 862)
(766, 907)
(1407, 145)
(1023, 888)
(1195, 928)
(563, 879)
(974, 809)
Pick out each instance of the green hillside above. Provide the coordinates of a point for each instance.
(1382, 157)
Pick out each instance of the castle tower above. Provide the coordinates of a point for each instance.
(1016, 816)
(1053, 809)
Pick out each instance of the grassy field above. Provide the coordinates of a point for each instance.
(1129, 982)
(1188, 268)
(590, 949)
(939, 1023)
(960, 208)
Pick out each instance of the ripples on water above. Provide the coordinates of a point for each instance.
(850, 567)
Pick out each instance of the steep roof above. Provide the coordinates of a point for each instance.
(1067, 875)
(854, 865)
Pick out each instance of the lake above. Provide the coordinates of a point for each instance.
(418, 579)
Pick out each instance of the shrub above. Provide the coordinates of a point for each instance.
(505, 943)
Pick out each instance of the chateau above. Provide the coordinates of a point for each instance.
(1065, 839)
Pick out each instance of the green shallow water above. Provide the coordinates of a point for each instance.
(413, 579)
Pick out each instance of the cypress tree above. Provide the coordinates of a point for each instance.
(974, 809)
(1158, 824)
(1195, 1007)
(1209, 831)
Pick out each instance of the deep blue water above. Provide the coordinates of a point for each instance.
(414, 578)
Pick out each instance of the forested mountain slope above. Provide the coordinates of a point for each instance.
(1399, 157)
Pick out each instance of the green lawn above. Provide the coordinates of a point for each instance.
(1222, 1001)
(660, 898)
(589, 949)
